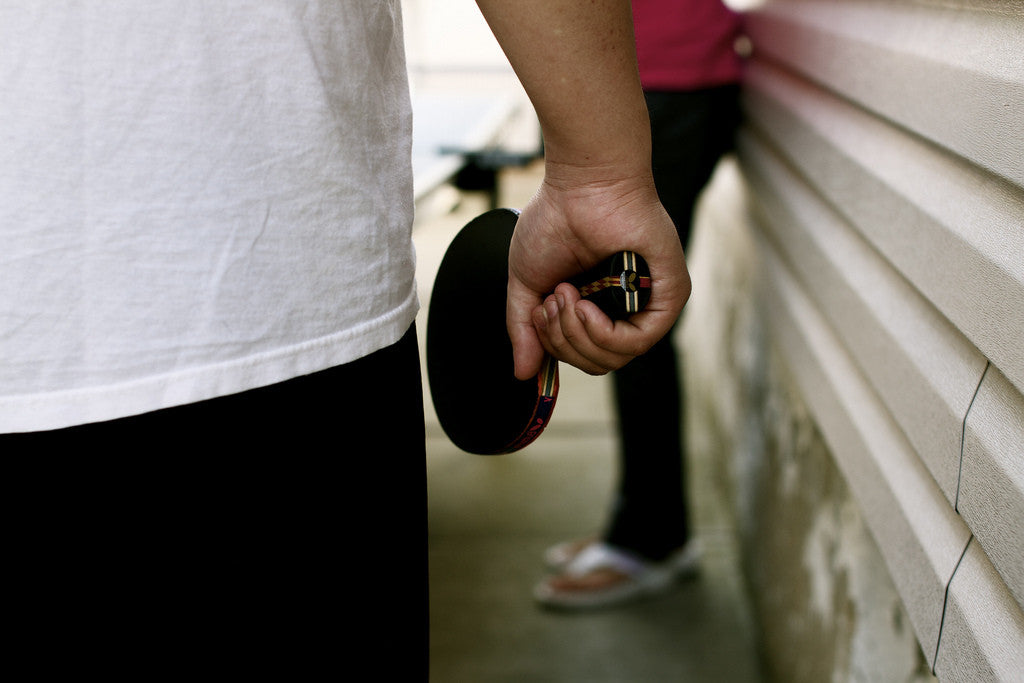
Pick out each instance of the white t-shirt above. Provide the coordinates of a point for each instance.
(196, 199)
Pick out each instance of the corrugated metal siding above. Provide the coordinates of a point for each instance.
(884, 152)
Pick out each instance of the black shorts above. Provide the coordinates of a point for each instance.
(278, 530)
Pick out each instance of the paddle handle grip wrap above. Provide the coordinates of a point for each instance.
(620, 285)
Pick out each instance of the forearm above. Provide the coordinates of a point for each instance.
(577, 62)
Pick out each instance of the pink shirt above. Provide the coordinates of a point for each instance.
(686, 44)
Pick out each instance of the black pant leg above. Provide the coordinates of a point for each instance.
(691, 131)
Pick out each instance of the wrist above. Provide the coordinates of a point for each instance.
(624, 153)
(622, 176)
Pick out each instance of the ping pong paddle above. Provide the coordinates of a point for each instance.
(480, 404)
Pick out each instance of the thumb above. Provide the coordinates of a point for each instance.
(527, 351)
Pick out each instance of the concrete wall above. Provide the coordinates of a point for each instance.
(860, 338)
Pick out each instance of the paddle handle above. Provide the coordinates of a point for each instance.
(620, 285)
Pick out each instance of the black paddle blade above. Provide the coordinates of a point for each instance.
(480, 404)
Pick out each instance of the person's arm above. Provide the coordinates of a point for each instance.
(576, 60)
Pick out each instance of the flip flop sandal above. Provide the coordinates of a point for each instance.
(638, 578)
(558, 557)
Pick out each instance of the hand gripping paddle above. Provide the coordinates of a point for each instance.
(480, 404)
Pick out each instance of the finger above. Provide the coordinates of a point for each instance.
(612, 344)
(626, 338)
(573, 341)
(552, 337)
(670, 290)
(547, 321)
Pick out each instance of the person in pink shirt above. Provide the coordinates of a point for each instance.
(690, 72)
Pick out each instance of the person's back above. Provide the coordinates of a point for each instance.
(686, 44)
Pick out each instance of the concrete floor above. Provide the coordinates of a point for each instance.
(492, 517)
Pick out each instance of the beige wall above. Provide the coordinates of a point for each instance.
(883, 175)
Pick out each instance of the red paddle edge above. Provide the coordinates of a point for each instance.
(547, 393)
